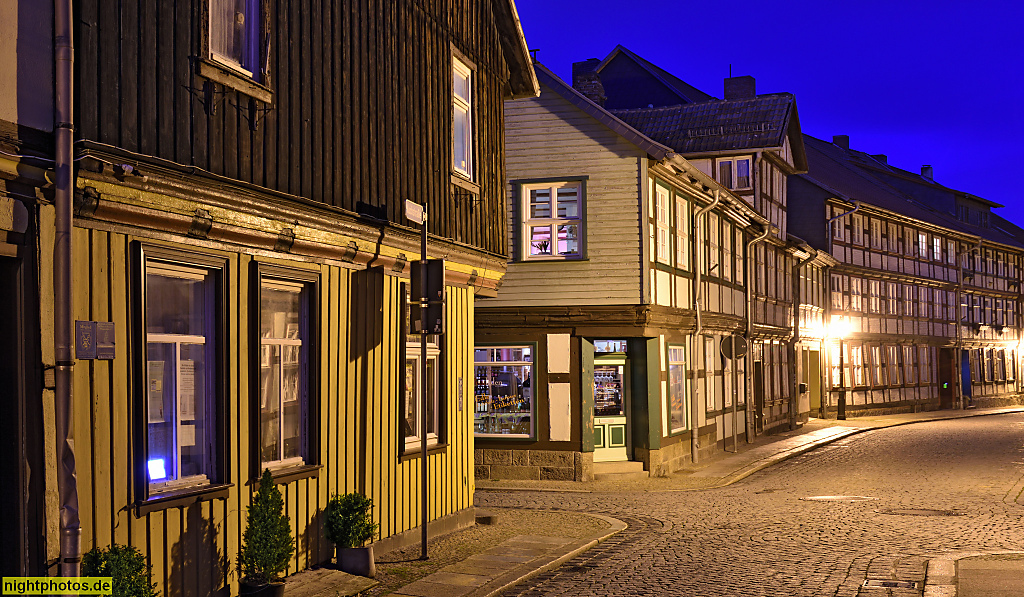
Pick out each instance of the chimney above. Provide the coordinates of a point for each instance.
(586, 80)
(841, 141)
(740, 88)
(881, 157)
(927, 172)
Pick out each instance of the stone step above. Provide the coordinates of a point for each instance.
(622, 470)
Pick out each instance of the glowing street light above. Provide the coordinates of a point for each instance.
(838, 329)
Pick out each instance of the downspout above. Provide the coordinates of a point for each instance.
(697, 244)
(793, 366)
(826, 397)
(67, 483)
(749, 399)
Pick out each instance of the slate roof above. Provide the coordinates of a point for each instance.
(847, 175)
(550, 80)
(688, 93)
(720, 125)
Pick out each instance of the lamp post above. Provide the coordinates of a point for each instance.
(838, 329)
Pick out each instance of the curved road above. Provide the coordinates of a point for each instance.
(760, 538)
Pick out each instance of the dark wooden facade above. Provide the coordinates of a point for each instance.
(360, 102)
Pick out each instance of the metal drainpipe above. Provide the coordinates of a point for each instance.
(826, 397)
(67, 483)
(749, 399)
(697, 244)
(793, 365)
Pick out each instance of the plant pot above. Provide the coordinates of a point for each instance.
(272, 589)
(357, 560)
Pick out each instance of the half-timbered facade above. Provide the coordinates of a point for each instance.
(626, 273)
(241, 251)
(750, 144)
(930, 301)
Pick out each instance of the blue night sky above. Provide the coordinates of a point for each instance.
(938, 83)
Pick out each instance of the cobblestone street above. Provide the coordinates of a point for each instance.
(760, 538)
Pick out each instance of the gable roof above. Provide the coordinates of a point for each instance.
(723, 125)
(843, 174)
(550, 80)
(521, 78)
(687, 93)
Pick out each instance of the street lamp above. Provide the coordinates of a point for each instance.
(838, 329)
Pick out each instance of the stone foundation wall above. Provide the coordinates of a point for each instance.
(548, 465)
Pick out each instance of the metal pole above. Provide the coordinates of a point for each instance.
(735, 393)
(423, 385)
(841, 414)
(67, 482)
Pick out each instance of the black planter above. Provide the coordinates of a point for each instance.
(273, 589)
(357, 561)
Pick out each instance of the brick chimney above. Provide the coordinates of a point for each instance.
(927, 172)
(842, 141)
(586, 80)
(740, 88)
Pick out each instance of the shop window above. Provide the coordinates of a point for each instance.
(678, 389)
(462, 119)
(286, 367)
(553, 227)
(180, 308)
(504, 403)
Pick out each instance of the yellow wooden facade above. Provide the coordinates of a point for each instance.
(193, 548)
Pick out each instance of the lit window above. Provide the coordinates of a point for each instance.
(662, 235)
(504, 391)
(234, 34)
(682, 233)
(285, 307)
(180, 315)
(462, 118)
(734, 173)
(678, 389)
(553, 228)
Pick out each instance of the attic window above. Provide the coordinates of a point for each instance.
(734, 173)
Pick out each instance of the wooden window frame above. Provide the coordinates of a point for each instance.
(147, 497)
(685, 389)
(464, 67)
(553, 222)
(436, 350)
(309, 322)
(254, 83)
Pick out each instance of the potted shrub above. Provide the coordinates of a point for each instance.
(266, 543)
(349, 527)
(125, 565)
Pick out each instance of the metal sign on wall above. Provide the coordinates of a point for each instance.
(94, 340)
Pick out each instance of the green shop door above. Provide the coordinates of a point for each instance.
(610, 402)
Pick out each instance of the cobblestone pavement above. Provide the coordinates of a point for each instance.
(760, 538)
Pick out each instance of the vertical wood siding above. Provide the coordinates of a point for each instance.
(545, 138)
(193, 549)
(361, 109)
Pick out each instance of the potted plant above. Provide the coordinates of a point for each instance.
(349, 527)
(125, 565)
(266, 543)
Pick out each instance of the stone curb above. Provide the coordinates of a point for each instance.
(533, 568)
(764, 463)
(940, 579)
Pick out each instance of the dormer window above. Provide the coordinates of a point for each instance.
(734, 173)
(234, 35)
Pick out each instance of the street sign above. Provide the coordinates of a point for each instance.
(741, 346)
(414, 212)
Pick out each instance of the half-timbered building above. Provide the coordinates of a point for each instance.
(750, 144)
(626, 273)
(928, 287)
(241, 255)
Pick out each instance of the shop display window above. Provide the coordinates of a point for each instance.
(504, 391)
(677, 388)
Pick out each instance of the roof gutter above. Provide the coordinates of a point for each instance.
(698, 253)
(67, 482)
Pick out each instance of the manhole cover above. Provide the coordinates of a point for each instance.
(891, 584)
(920, 512)
(838, 498)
